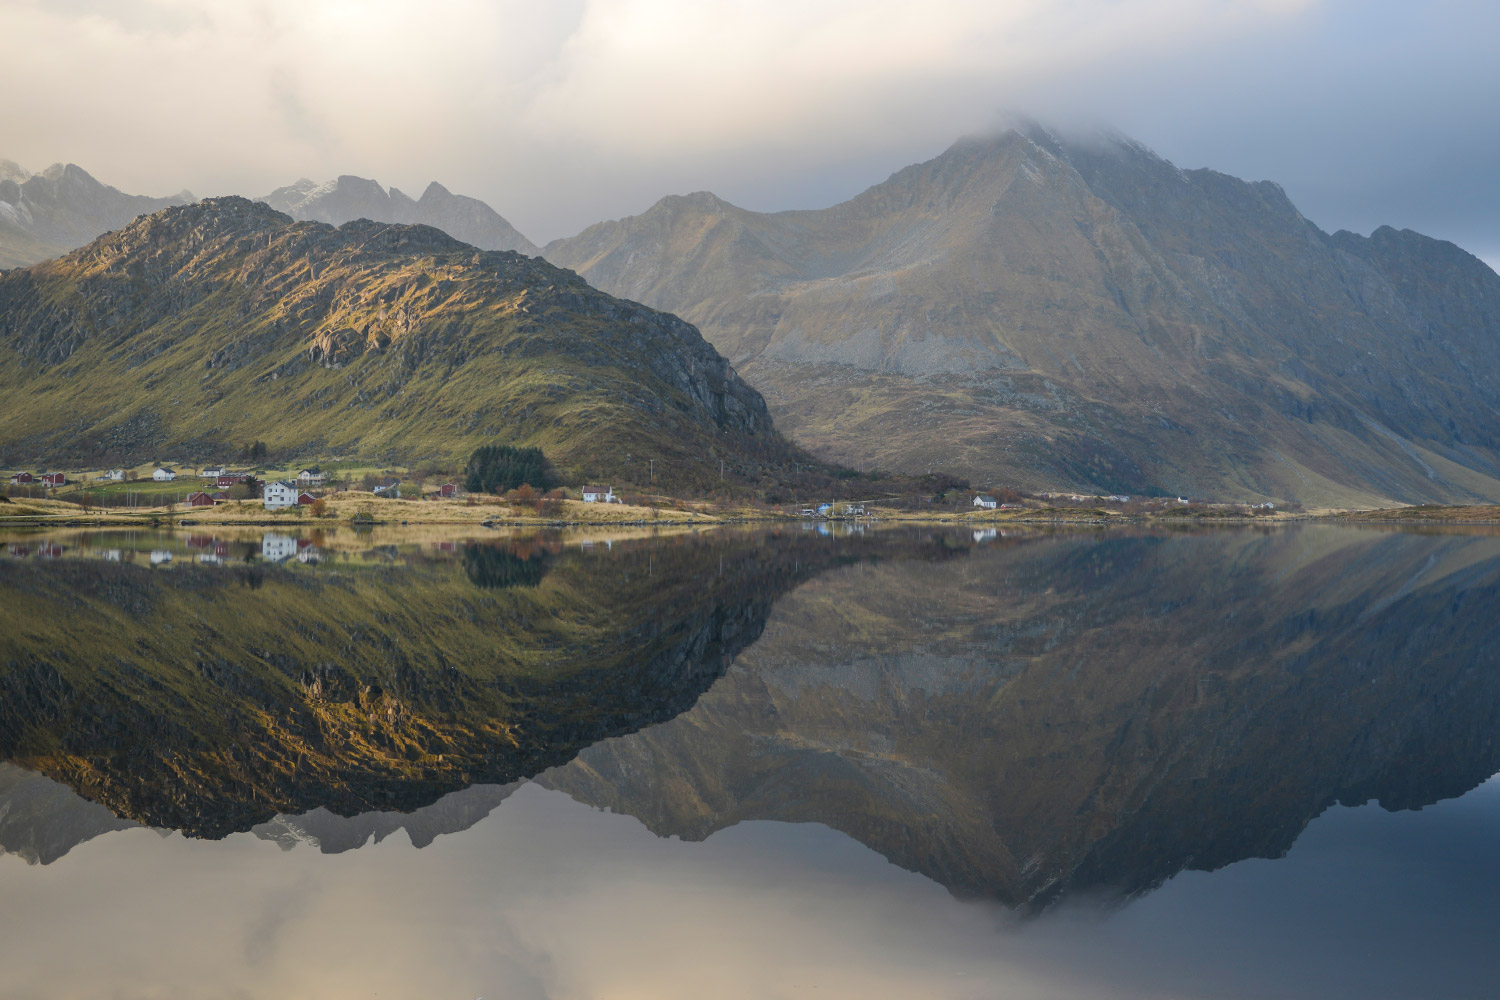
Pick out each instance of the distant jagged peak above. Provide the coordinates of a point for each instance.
(10, 170)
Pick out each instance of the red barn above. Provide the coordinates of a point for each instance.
(22, 478)
(305, 498)
(200, 499)
(54, 479)
(231, 479)
(448, 490)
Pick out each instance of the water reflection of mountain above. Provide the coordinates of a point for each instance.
(1085, 714)
(211, 698)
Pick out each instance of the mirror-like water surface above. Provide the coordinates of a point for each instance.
(750, 763)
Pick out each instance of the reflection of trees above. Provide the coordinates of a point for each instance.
(504, 566)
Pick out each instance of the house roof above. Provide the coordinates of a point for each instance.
(984, 496)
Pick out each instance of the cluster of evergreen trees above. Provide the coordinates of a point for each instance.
(497, 468)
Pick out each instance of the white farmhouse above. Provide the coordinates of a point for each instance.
(985, 500)
(278, 494)
(311, 477)
(114, 476)
(212, 472)
(599, 494)
(163, 474)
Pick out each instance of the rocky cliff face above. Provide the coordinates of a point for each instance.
(346, 198)
(203, 326)
(1083, 314)
(44, 215)
(1081, 715)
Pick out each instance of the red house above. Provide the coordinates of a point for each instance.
(200, 499)
(448, 490)
(231, 479)
(54, 479)
(22, 478)
(304, 499)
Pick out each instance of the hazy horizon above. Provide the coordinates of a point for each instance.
(572, 113)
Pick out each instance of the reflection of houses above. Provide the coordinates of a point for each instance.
(159, 556)
(986, 501)
(49, 550)
(162, 474)
(110, 555)
(278, 495)
(18, 550)
(984, 535)
(276, 548)
(307, 552)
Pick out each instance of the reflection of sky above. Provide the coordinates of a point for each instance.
(547, 898)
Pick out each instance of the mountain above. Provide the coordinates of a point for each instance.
(201, 327)
(1079, 313)
(44, 215)
(345, 199)
(1070, 715)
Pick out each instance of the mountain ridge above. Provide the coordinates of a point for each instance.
(226, 321)
(1044, 313)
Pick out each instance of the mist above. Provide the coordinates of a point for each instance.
(563, 114)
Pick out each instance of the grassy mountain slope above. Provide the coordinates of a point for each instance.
(199, 328)
(1084, 314)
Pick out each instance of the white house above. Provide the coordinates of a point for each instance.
(311, 477)
(212, 472)
(113, 476)
(985, 500)
(599, 494)
(278, 494)
(163, 474)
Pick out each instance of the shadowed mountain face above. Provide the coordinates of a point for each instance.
(47, 214)
(345, 199)
(210, 699)
(1052, 313)
(1082, 714)
(223, 322)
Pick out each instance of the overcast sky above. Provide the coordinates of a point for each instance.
(564, 112)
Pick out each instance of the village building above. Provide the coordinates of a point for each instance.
(162, 474)
(212, 472)
(278, 495)
(22, 479)
(599, 494)
(113, 476)
(388, 488)
(54, 479)
(986, 501)
(229, 479)
(305, 499)
(199, 499)
(311, 477)
(448, 490)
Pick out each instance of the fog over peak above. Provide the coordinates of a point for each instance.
(1368, 112)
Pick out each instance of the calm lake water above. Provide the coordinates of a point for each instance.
(760, 763)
